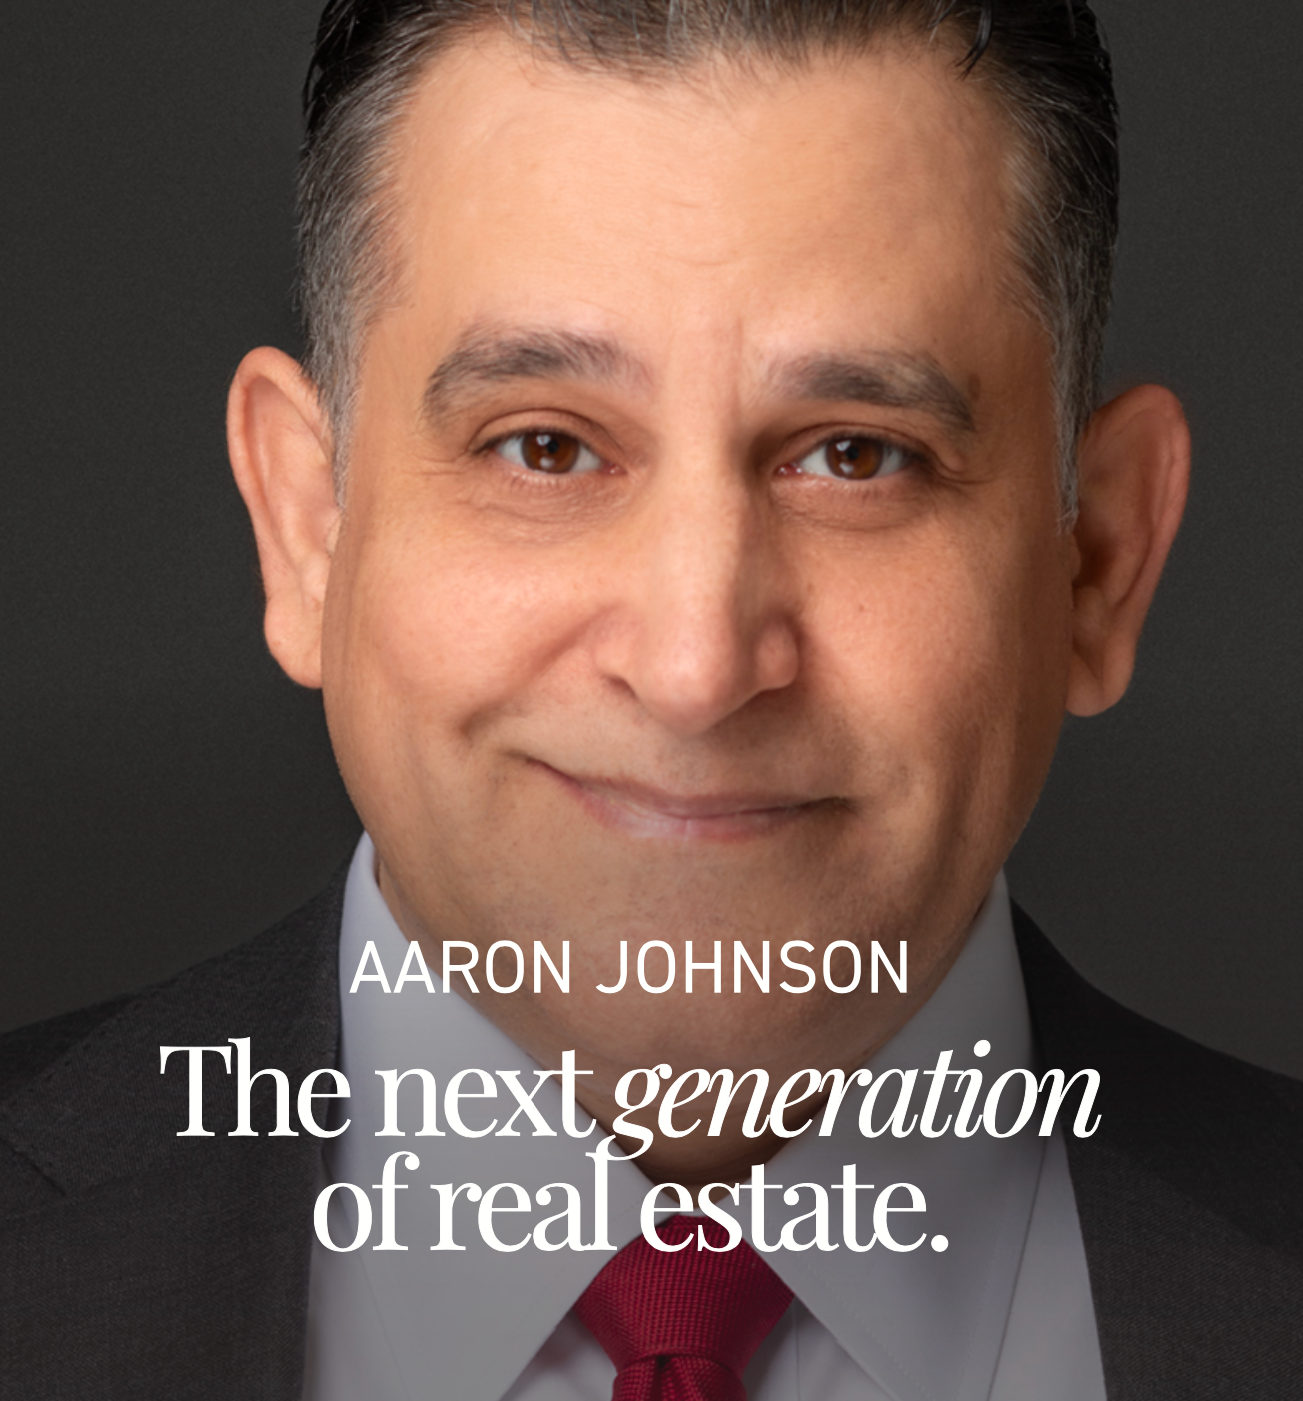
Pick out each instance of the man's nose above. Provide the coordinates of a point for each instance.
(707, 613)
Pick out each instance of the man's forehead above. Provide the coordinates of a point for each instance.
(492, 94)
(825, 172)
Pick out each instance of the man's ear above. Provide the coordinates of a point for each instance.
(279, 441)
(1134, 471)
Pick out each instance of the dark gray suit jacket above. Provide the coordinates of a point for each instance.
(137, 1264)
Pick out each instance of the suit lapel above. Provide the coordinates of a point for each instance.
(1193, 1237)
(207, 1240)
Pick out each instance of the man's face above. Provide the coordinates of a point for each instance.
(699, 575)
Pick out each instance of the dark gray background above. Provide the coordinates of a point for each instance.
(166, 793)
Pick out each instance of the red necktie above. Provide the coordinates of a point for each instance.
(682, 1327)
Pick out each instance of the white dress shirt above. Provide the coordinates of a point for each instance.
(1004, 1312)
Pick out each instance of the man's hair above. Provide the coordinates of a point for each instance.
(1044, 61)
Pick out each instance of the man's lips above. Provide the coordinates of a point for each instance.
(643, 810)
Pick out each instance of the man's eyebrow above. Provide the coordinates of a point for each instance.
(888, 379)
(489, 355)
(486, 355)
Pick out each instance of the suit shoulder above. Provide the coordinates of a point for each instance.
(127, 1248)
(259, 962)
(1217, 1129)
(85, 1101)
(1147, 1058)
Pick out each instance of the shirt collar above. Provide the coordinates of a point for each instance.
(923, 1324)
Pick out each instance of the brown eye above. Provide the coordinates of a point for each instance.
(853, 459)
(549, 452)
(557, 454)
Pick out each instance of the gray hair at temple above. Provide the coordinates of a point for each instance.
(1044, 62)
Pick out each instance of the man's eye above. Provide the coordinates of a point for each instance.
(554, 453)
(853, 459)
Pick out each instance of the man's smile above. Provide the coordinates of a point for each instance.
(642, 810)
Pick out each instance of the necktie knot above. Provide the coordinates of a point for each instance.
(683, 1324)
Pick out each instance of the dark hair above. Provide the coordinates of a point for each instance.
(1043, 60)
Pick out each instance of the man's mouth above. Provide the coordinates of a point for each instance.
(643, 810)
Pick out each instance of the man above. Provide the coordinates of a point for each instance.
(698, 518)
